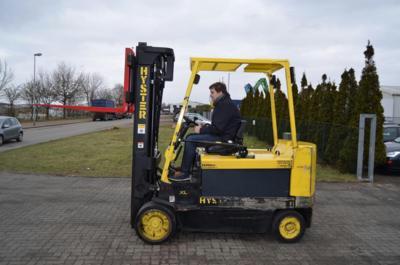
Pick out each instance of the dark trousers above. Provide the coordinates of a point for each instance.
(190, 149)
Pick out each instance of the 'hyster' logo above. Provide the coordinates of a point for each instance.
(143, 92)
(208, 200)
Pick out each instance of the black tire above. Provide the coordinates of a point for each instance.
(20, 137)
(1, 140)
(163, 221)
(288, 226)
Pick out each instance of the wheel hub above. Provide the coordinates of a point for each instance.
(289, 227)
(155, 225)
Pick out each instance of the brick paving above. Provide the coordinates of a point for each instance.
(71, 220)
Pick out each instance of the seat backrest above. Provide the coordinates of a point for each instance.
(240, 132)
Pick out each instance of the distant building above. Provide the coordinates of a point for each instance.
(391, 103)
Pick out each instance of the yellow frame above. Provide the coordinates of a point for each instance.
(266, 66)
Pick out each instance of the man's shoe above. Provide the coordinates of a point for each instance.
(179, 176)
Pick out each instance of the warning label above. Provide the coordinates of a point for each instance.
(141, 129)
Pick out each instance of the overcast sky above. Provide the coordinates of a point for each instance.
(316, 36)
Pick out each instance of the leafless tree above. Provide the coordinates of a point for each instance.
(104, 93)
(6, 75)
(12, 93)
(67, 84)
(46, 91)
(90, 85)
(118, 94)
(30, 93)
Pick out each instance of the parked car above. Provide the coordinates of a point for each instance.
(200, 119)
(391, 131)
(392, 156)
(10, 129)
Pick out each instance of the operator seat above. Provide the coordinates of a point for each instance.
(230, 147)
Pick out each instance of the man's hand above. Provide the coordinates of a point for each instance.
(197, 128)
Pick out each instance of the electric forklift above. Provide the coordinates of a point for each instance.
(232, 188)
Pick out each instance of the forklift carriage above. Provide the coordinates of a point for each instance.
(232, 188)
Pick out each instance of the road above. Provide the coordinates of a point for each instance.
(45, 134)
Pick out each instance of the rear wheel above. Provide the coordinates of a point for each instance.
(288, 226)
(1, 140)
(20, 137)
(155, 223)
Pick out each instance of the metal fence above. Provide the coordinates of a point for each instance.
(25, 113)
(315, 132)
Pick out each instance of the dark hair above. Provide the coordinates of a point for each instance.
(219, 86)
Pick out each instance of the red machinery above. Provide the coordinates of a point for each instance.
(126, 106)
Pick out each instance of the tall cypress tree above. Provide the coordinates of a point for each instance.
(303, 82)
(322, 112)
(303, 110)
(313, 115)
(254, 105)
(351, 97)
(244, 106)
(369, 99)
(301, 98)
(281, 107)
(260, 115)
(295, 93)
(341, 108)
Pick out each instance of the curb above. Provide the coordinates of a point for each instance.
(50, 125)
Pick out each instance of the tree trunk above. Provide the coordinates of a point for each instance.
(64, 110)
(32, 112)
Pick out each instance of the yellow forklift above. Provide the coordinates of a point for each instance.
(232, 188)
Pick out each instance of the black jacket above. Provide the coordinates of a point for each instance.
(225, 120)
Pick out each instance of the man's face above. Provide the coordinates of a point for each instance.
(214, 94)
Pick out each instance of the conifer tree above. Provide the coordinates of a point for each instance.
(295, 93)
(254, 105)
(304, 82)
(303, 108)
(369, 99)
(322, 111)
(338, 130)
(244, 106)
(281, 108)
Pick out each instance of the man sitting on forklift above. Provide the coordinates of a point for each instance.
(224, 124)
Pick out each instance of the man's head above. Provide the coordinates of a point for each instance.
(217, 90)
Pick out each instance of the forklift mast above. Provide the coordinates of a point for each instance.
(149, 69)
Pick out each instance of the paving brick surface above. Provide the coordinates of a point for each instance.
(70, 220)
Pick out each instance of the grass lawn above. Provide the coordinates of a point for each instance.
(103, 154)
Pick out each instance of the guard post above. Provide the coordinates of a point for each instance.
(371, 154)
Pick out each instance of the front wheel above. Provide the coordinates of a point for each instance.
(288, 226)
(20, 137)
(155, 223)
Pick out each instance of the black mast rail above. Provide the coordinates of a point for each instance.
(150, 68)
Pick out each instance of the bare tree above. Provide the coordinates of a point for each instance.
(118, 94)
(6, 75)
(104, 93)
(46, 91)
(12, 93)
(90, 85)
(67, 84)
(30, 93)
